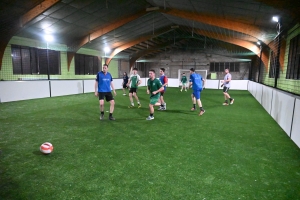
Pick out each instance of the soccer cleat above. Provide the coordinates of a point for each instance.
(163, 108)
(180, 90)
(160, 108)
(149, 118)
(131, 106)
(231, 102)
(192, 109)
(111, 118)
(101, 116)
(201, 112)
(124, 94)
(186, 90)
(140, 105)
(225, 104)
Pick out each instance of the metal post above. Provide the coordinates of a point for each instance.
(48, 69)
(259, 64)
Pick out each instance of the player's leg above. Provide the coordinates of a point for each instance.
(136, 98)
(231, 100)
(198, 97)
(225, 89)
(163, 105)
(130, 98)
(101, 104)
(124, 89)
(181, 87)
(193, 101)
(154, 101)
(109, 98)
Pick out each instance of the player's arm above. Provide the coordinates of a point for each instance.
(129, 80)
(166, 81)
(112, 87)
(159, 90)
(148, 89)
(203, 82)
(140, 81)
(96, 85)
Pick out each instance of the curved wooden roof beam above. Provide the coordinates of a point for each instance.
(248, 45)
(248, 29)
(27, 17)
(98, 33)
(136, 41)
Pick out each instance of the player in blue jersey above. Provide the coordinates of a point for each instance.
(226, 84)
(197, 83)
(164, 81)
(103, 86)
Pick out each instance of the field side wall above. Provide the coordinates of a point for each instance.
(282, 106)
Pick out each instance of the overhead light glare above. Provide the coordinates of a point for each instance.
(275, 19)
(48, 38)
(258, 42)
(106, 49)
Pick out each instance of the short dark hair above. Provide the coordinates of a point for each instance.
(152, 70)
(227, 69)
(105, 65)
(183, 73)
(135, 69)
(192, 69)
(162, 69)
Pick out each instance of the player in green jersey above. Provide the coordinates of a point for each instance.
(134, 82)
(183, 82)
(154, 87)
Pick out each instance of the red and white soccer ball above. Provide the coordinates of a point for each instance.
(46, 148)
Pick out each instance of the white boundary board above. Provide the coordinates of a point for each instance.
(23, 90)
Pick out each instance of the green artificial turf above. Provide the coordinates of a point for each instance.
(231, 152)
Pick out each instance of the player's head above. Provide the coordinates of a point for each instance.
(162, 71)
(183, 73)
(125, 74)
(105, 68)
(151, 74)
(135, 70)
(192, 70)
(226, 70)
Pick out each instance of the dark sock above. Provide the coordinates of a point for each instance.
(151, 114)
(201, 108)
(102, 113)
(110, 114)
(230, 99)
(162, 105)
(194, 105)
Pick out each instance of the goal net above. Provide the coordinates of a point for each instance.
(203, 73)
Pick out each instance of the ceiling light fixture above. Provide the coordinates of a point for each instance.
(152, 9)
(275, 19)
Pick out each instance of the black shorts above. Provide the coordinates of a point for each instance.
(133, 90)
(225, 89)
(108, 96)
(124, 85)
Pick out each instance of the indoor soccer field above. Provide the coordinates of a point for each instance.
(231, 152)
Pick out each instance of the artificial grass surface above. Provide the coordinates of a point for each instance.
(231, 152)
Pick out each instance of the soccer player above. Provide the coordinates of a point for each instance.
(183, 82)
(197, 82)
(154, 87)
(226, 84)
(134, 82)
(124, 83)
(164, 81)
(103, 86)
